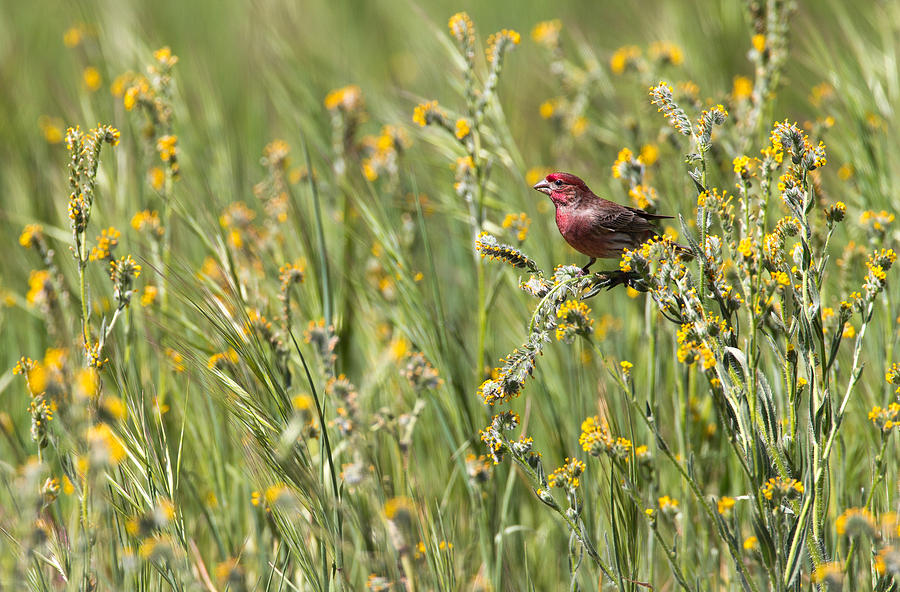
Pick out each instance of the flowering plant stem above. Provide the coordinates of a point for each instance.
(696, 491)
(577, 530)
(821, 464)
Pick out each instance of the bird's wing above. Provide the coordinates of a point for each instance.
(618, 218)
(648, 215)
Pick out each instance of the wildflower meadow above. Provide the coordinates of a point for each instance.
(282, 311)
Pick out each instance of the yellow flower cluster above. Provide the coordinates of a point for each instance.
(51, 128)
(167, 146)
(876, 220)
(148, 297)
(623, 160)
(488, 246)
(549, 107)
(92, 79)
(157, 178)
(643, 196)
(424, 113)
(667, 504)
(742, 165)
(573, 319)
(40, 288)
(347, 99)
(547, 33)
(892, 376)
(759, 42)
(774, 151)
(595, 437)
(596, 440)
(746, 248)
(649, 154)
(382, 152)
(106, 447)
(462, 128)
(462, 28)
(106, 242)
(831, 574)
(623, 58)
(836, 212)
(165, 57)
(499, 41)
(147, 220)
(773, 242)
(661, 96)
(398, 507)
(725, 504)
(779, 487)
(219, 359)
(692, 349)
(518, 223)
(714, 115)
(820, 93)
(885, 419)
(888, 558)
(31, 234)
(276, 153)
(568, 475)
(741, 88)
(74, 35)
(666, 52)
(854, 522)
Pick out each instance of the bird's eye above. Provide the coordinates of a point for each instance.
(558, 183)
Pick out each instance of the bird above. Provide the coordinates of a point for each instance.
(593, 226)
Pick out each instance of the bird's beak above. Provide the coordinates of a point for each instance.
(543, 186)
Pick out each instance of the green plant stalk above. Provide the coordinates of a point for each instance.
(82, 291)
(335, 490)
(889, 329)
(504, 509)
(855, 373)
(573, 528)
(877, 478)
(168, 185)
(694, 487)
(701, 215)
(753, 345)
(320, 237)
(683, 425)
(163, 375)
(86, 528)
(477, 223)
(818, 509)
(651, 321)
(652, 522)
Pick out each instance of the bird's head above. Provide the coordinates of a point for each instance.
(563, 188)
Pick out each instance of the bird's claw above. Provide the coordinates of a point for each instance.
(611, 279)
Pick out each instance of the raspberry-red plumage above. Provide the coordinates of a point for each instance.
(594, 226)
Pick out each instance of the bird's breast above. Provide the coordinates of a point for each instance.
(586, 236)
(572, 226)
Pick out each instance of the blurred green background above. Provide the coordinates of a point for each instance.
(249, 72)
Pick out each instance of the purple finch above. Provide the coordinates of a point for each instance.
(594, 226)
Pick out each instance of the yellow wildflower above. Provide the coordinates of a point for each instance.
(547, 33)
(462, 128)
(92, 78)
(649, 154)
(741, 88)
(759, 42)
(623, 57)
